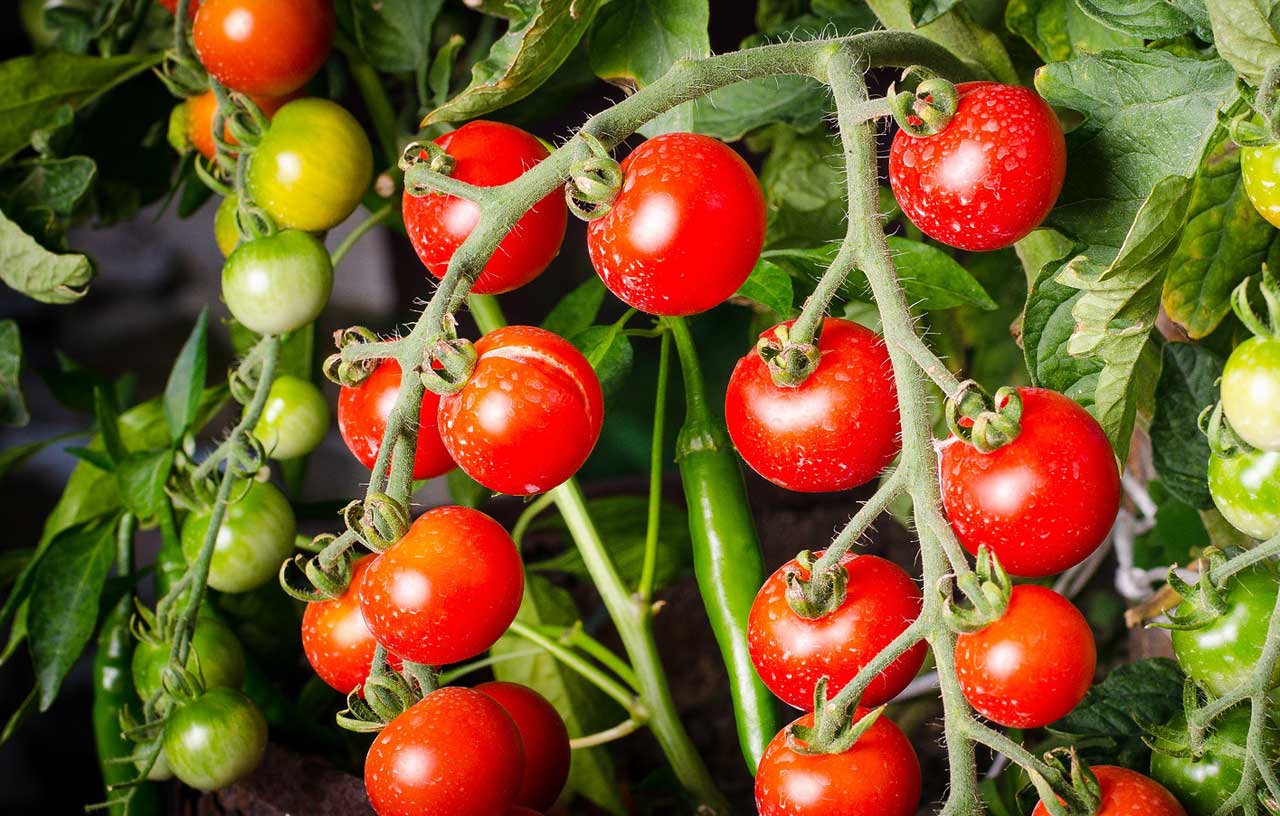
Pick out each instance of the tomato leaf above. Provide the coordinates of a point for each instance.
(934, 280)
(610, 353)
(1150, 19)
(13, 405)
(394, 36)
(466, 491)
(1178, 531)
(576, 311)
(729, 113)
(1245, 35)
(65, 590)
(186, 380)
(1047, 327)
(584, 708)
(769, 285)
(955, 31)
(1188, 385)
(1059, 29)
(804, 187)
(141, 479)
(924, 12)
(36, 272)
(14, 457)
(542, 35)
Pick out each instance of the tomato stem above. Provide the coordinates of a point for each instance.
(656, 461)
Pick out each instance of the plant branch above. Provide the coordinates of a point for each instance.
(374, 219)
(621, 694)
(656, 460)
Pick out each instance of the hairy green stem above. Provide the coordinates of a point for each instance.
(645, 588)
(375, 218)
(888, 490)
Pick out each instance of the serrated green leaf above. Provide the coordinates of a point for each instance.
(769, 285)
(610, 353)
(1059, 30)
(104, 409)
(933, 280)
(13, 457)
(141, 479)
(1150, 19)
(1178, 532)
(804, 189)
(622, 522)
(1188, 385)
(1245, 33)
(957, 32)
(38, 273)
(13, 405)
(729, 113)
(1047, 327)
(576, 311)
(186, 379)
(542, 35)
(393, 36)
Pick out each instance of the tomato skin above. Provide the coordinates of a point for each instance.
(1246, 490)
(529, 416)
(1043, 502)
(1203, 784)
(200, 112)
(335, 639)
(225, 231)
(215, 650)
(312, 166)
(454, 753)
(215, 739)
(1033, 665)
(1260, 168)
(488, 154)
(1251, 392)
(295, 419)
(836, 430)
(447, 590)
(652, 249)
(256, 536)
(792, 653)
(878, 776)
(990, 177)
(362, 420)
(1128, 793)
(278, 283)
(267, 47)
(1222, 654)
(545, 739)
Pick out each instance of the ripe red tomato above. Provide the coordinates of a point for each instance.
(454, 753)
(1033, 665)
(338, 644)
(685, 230)
(362, 420)
(200, 113)
(545, 739)
(487, 154)
(1128, 793)
(528, 417)
(267, 47)
(172, 6)
(1043, 502)
(792, 653)
(879, 775)
(990, 177)
(835, 431)
(447, 590)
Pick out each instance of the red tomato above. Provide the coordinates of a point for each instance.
(878, 776)
(1128, 793)
(172, 6)
(335, 639)
(792, 653)
(264, 47)
(447, 590)
(1043, 502)
(200, 112)
(836, 430)
(1033, 665)
(990, 177)
(454, 753)
(685, 230)
(528, 417)
(488, 154)
(362, 420)
(545, 739)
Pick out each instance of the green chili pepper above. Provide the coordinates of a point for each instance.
(113, 690)
(726, 550)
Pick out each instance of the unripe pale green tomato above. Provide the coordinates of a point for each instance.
(312, 166)
(1203, 783)
(225, 231)
(256, 536)
(216, 656)
(1246, 491)
(294, 420)
(1260, 167)
(1251, 392)
(160, 770)
(215, 739)
(278, 283)
(1221, 655)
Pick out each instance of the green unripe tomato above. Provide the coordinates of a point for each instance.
(225, 231)
(256, 536)
(1202, 784)
(1260, 167)
(1246, 491)
(1251, 392)
(278, 283)
(294, 420)
(312, 166)
(216, 656)
(215, 739)
(1221, 655)
(160, 771)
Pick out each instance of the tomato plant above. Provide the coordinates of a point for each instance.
(268, 47)
(1202, 783)
(544, 737)
(215, 739)
(362, 420)
(256, 536)
(1221, 654)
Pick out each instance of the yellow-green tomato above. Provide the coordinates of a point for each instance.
(225, 231)
(1260, 167)
(1251, 391)
(294, 420)
(1246, 491)
(312, 166)
(256, 536)
(278, 283)
(215, 739)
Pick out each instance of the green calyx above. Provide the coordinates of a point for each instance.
(814, 593)
(845, 733)
(594, 182)
(1081, 794)
(986, 424)
(448, 365)
(327, 575)
(928, 109)
(421, 161)
(790, 363)
(1267, 325)
(1202, 603)
(987, 588)
(1223, 439)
